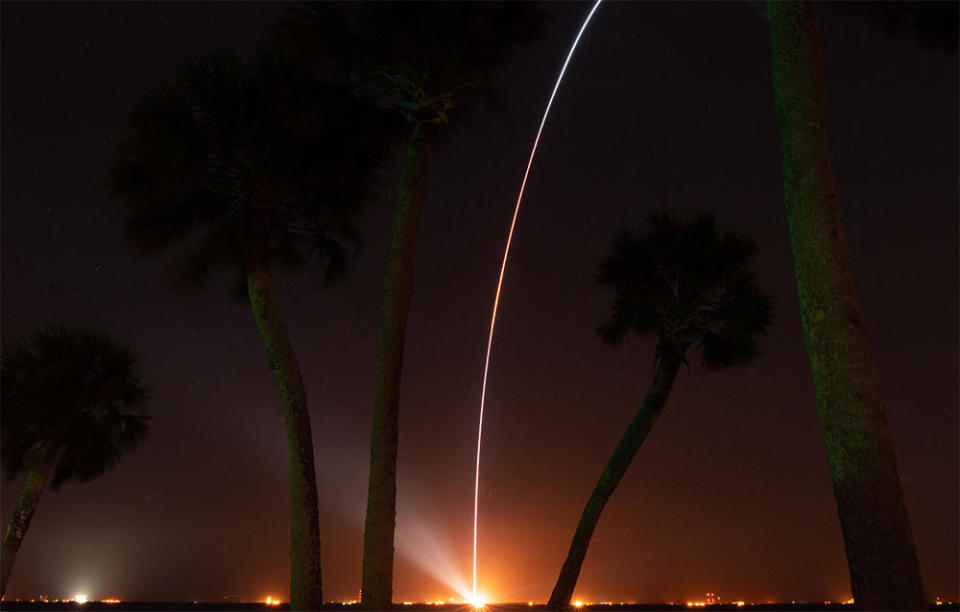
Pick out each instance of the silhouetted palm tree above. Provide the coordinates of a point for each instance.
(690, 288)
(425, 59)
(73, 404)
(881, 555)
(254, 165)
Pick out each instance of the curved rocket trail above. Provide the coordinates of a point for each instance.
(503, 267)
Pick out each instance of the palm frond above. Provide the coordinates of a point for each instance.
(689, 285)
(221, 130)
(73, 397)
(422, 52)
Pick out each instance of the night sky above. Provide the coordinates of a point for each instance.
(667, 104)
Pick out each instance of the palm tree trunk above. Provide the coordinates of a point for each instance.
(884, 571)
(378, 536)
(20, 521)
(616, 467)
(305, 576)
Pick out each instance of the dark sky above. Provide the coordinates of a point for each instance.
(665, 104)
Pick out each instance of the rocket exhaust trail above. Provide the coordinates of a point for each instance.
(503, 267)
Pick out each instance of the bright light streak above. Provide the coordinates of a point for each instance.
(272, 602)
(80, 598)
(578, 604)
(503, 268)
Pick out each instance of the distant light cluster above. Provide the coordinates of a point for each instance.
(477, 603)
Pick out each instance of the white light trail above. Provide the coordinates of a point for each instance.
(503, 268)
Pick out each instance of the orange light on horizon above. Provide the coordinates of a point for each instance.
(478, 601)
(578, 604)
(270, 601)
(110, 600)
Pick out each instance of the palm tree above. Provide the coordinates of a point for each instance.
(73, 404)
(426, 60)
(689, 287)
(884, 571)
(254, 165)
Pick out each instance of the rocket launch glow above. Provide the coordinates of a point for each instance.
(503, 267)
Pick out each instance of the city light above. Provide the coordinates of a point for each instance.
(578, 604)
(80, 598)
(272, 602)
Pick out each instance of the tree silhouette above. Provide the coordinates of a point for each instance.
(253, 164)
(690, 288)
(427, 60)
(881, 555)
(73, 404)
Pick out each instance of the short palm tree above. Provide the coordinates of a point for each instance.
(690, 287)
(426, 60)
(254, 165)
(73, 404)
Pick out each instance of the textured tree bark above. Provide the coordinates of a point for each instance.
(305, 573)
(20, 521)
(884, 571)
(378, 536)
(616, 467)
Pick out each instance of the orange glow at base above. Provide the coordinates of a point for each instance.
(478, 601)
(578, 604)
(270, 601)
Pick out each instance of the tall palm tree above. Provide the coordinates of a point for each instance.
(429, 55)
(691, 288)
(253, 165)
(73, 404)
(426, 60)
(881, 555)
